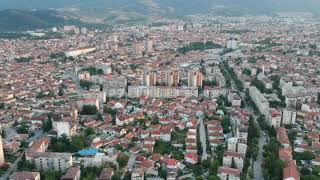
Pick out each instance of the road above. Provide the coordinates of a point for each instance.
(262, 140)
(13, 167)
(75, 79)
(257, 164)
(203, 140)
(131, 162)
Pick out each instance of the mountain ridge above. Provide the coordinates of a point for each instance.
(165, 6)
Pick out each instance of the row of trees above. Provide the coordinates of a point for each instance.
(163, 147)
(41, 94)
(23, 59)
(89, 110)
(272, 165)
(93, 70)
(259, 85)
(64, 144)
(85, 84)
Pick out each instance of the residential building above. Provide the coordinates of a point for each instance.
(195, 78)
(172, 77)
(73, 173)
(149, 78)
(25, 176)
(161, 91)
(259, 100)
(227, 173)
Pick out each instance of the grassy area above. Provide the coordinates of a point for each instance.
(10, 158)
(179, 136)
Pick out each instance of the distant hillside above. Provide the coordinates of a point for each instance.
(18, 20)
(122, 11)
(165, 6)
(28, 20)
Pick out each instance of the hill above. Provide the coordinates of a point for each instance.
(18, 20)
(123, 11)
(165, 6)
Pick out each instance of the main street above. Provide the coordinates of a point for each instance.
(262, 140)
(258, 163)
(203, 139)
(14, 166)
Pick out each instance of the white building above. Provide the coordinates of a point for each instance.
(1, 152)
(232, 44)
(259, 100)
(77, 52)
(161, 91)
(274, 118)
(289, 116)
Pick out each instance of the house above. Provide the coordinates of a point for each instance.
(316, 161)
(106, 174)
(230, 158)
(283, 137)
(25, 176)
(191, 158)
(172, 164)
(290, 171)
(73, 173)
(227, 173)
(285, 154)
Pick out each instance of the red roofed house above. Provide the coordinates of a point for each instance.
(106, 174)
(290, 171)
(227, 173)
(275, 118)
(283, 137)
(73, 173)
(285, 154)
(25, 176)
(191, 158)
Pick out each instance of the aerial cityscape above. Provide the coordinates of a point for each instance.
(199, 96)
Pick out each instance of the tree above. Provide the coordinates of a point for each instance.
(64, 144)
(40, 95)
(258, 84)
(127, 175)
(116, 176)
(206, 163)
(85, 84)
(61, 91)
(197, 169)
(163, 172)
(3, 134)
(23, 128)
(226, 123)
(247, 72)
(2, 106)
(122, 160)
(110, 111)
(89, 110)
(51, 94)
(233, 164)
(162, 147)
(89, 131)
(99, 116)
(25, 165)
(213, 177)
(306, 155)
(47, 125)
(51, 175)
(214, 167)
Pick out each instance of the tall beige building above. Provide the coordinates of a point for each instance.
(1, 153)
(195, 78)
(149, 78)
(172, 77)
